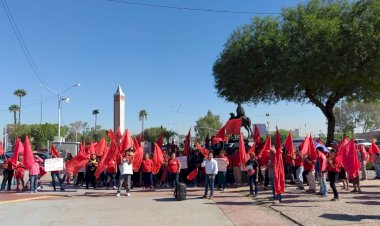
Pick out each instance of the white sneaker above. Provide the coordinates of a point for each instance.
(129, 194)
(114, 187)
(118, 194)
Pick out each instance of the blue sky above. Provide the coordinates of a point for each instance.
(162, 58)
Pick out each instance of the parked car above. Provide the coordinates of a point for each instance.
(365, 142)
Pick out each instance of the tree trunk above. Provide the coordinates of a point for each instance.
(330, 124)
(19, 113)
(15, 116)
(142, 128)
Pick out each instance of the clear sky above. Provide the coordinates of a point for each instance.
(162, 58)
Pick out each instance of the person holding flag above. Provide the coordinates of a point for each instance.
(92, 164)
(252, 170)
(333, 168)
(19, 174)
(126, 171)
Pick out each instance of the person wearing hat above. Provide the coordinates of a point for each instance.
(126, 171)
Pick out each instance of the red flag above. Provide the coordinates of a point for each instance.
(350, 160)
(186, 144)
(251, 149)
(279, 177)
(54, 151)
(137, 158)
(264, 153)
(28, 154)
(106, 159)
(232, 127)
(111, 135)
(289, 144)
(1, 149)
(158, 159)
(204, 151)
(256, 136)
(16, 151)
(193, 174)
(101, 147)
(160, 140)
(126, 142)
(118, 135)
(373, 150)
(77, 162)
(342, 143)
(91, 149)
(242, 153)
(312, 150)
(136, 144)
(305, 146)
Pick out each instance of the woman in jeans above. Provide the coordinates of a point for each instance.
(252, 170)
(333, 169)
(298, 163)
(222, 173)
(34, 171)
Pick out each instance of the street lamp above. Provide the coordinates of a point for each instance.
(267, 115)
(60, 98)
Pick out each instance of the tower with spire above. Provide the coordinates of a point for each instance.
(119, 110)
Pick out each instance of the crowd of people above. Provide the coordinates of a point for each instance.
(257, 172)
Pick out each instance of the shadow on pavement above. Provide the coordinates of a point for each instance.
(172, 199)
(231, 203)
(374, 203)
(346, 217)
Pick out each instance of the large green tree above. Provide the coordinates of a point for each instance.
(20, 93)
(317, 52)
(207, 125)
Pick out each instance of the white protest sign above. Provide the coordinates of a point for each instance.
(222, 165)
(183, 161)
(54, 164)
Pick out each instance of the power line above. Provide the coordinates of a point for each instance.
(20, 40)
(32, 104)
(191, 9)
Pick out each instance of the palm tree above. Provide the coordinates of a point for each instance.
(20, 93)
(143, 115)
(14, 108)
(95, 113)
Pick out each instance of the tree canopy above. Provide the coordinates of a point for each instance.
(207, 125)
(317, 52)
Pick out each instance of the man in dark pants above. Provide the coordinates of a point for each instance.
(7, 175)
(90, 172)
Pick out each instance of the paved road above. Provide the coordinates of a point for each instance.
(101, 207)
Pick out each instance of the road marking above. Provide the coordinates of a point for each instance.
(26, 199)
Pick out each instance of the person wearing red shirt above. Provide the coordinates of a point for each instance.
(19, 173)
(298, 163)
(222, 172)
(174, 167)
(289, 165)
(333, 169)
(309, 167)
(236, 167)
(322, 173)
(146, 169)
(7, 175)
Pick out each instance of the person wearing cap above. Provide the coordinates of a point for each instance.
(322, 172)
(333, 168)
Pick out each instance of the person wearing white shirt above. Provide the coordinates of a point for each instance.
(126, 171)
(211, 168)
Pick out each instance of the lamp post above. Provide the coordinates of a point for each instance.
(60, 99)
(267, 115)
